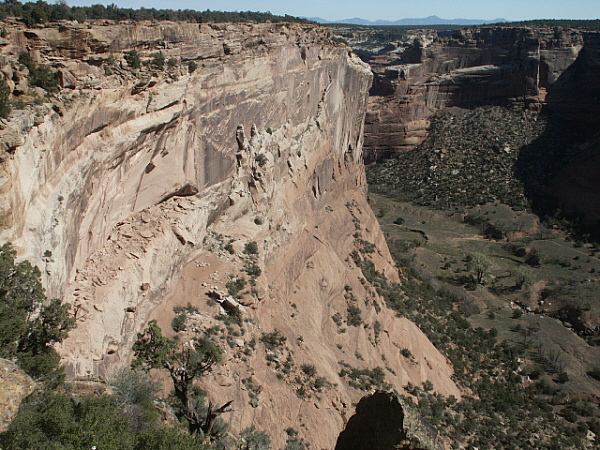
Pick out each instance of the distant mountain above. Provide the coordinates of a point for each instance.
(431, 20)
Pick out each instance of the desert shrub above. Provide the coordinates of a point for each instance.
(251, 248)
(406, 353)
(133, 59)
(562, 378)
(164, 438)
(229, 247)
(29, 324)
(252, 439)
(252, 269)
(178, 322)
(40, 76)
(354, 318)
(4, 103)
(364, 379)
(54, 420)
(158, 61)
(273, 340)
(235, 286)
(261, 159)
(533, 258)
(26, 59)
(43, 77)
(594, 373)
(135, 392)
(309, 369)
(294, 442)
(181, 315)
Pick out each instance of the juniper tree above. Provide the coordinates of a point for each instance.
(185, 363)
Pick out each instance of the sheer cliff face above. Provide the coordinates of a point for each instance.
(135, 181)
(127, 149)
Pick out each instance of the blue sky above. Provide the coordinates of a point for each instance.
(385, 9)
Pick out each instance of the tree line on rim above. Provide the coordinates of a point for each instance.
(41, 12)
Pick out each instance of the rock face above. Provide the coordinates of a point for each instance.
(132, 182)
(471, 67)
(554, 71)
(15, 385)
(369, 428)
(379, 424)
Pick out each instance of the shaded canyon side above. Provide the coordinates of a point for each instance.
(553, 72)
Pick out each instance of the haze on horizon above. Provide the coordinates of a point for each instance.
(512, 10)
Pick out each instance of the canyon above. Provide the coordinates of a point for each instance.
(480, 142)
(419, 72)
(127, 184)
(223, 175)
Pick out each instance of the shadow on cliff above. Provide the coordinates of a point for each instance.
(560, 169)
(379, 424)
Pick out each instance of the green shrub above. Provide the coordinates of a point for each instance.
(252, 439)
(273, 340)
(354, 318)
(29, 325)
(364, 379)
(261, 159)
(26, 59)
(43, 77)
(235, 286)
(4, 103)
(229, 247)
(40, 76)
(158, 61)
(253, 270)
(594, 373)
(54, 420)
(562, 378)
(309, 369)
(178, 322)
(133, 59)
(251, 248)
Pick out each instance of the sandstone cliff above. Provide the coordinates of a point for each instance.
(421, 74)
(126, 186)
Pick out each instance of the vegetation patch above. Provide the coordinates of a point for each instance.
(364, 379)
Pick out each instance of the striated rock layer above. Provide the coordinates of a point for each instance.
(503, 66)
(125, 187)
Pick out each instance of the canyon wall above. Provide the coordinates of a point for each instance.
(127, 184)
(552, 71)
(421, 74)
